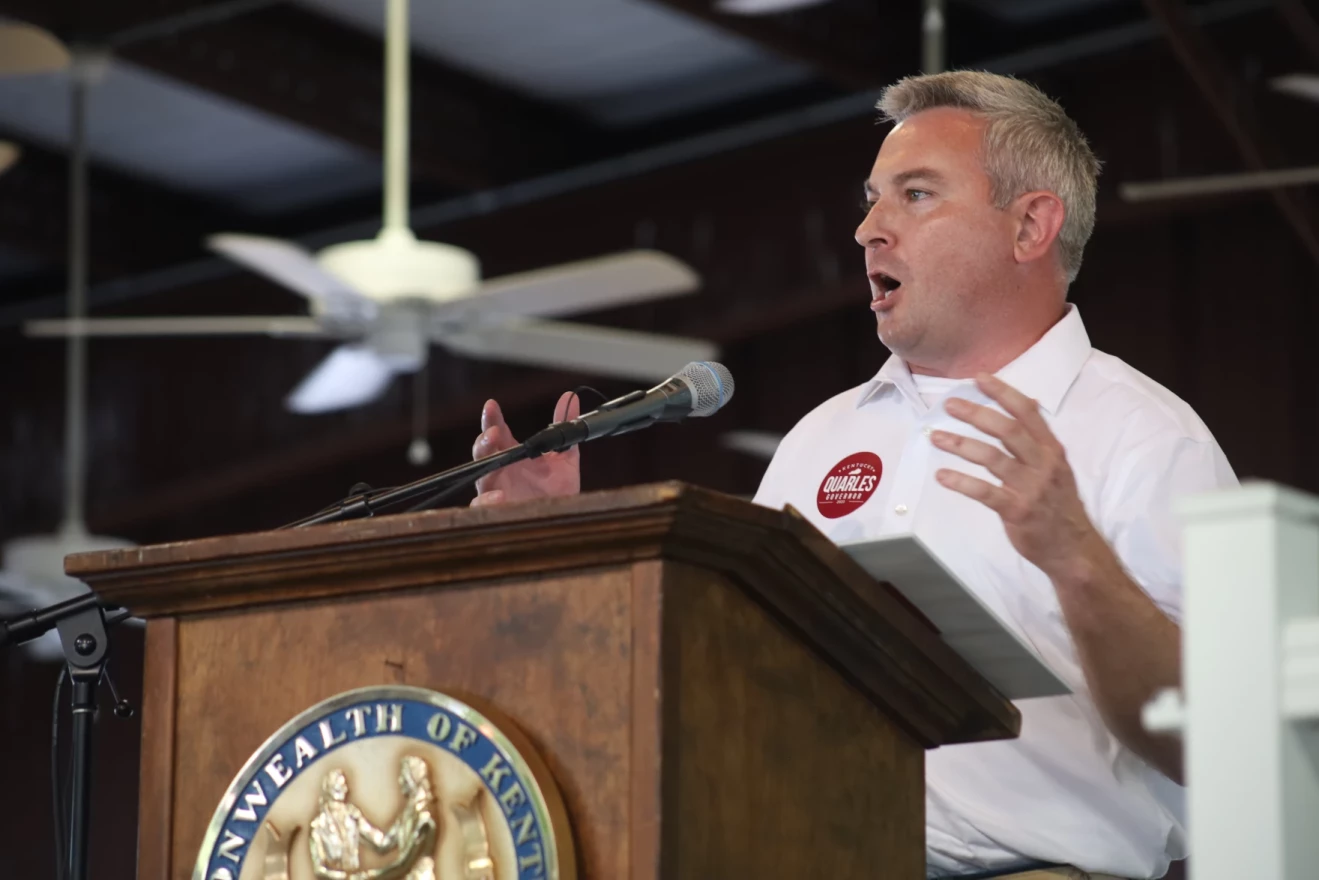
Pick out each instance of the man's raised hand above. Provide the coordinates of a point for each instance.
(553, 474)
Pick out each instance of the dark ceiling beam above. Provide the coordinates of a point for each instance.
(1229, 100)
(132, 226)
(328, 77)
(94, 22)
(296, 65)
(1303, 25)
(856, 44)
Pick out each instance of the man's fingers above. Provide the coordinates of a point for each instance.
(1017, 439)
(993, 459)
(568, 407)
(491, 415)
(485, 499)
(495, 435)
(492, 440)
(996, 498)
(1017, 405)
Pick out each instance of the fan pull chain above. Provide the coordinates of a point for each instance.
(419, 451)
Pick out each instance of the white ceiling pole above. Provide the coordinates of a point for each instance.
(933, 37)
(75, 371)
(396, 116)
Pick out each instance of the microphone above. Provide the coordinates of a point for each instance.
(697, 390)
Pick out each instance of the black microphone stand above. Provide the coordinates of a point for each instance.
(82, 623)
(428, 490)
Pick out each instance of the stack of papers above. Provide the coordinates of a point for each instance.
(965, 623)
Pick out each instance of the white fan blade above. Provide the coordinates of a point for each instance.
(1302, 85)
(1217, 183)
(757, 444)
(223, 326)
(626, 354)
(587, 285)
(294, 267)
(27, 49)
(350, 376)
(9, 153)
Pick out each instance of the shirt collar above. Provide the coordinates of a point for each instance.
(1045, 371)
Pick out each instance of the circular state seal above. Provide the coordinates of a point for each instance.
(390, 783)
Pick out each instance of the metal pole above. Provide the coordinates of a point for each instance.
(396, 115)
(84, 713)
(933, 37)
(75, 368)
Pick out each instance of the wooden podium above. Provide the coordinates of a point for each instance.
(718, 691)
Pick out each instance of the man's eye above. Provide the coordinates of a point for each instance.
(916, 195)
(866, 205)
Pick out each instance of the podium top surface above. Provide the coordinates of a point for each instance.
(864, 628)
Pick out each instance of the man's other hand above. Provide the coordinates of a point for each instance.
(553, 474)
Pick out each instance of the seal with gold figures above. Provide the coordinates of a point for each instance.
(390, 783)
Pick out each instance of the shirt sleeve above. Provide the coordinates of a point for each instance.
(1139, 517)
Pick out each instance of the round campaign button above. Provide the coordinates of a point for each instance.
(849, 484)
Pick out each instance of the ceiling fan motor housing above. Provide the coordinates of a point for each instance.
(396, 266)
(399, 334)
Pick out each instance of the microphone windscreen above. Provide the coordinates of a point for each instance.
(711, 384)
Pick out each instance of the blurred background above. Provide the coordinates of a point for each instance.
(731, 135)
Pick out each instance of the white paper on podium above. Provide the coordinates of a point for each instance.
(968, 626)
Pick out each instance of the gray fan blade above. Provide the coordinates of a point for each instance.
(758, 444)
(1301, 85)
(603, 351)
(1217, 183)
(295, 268)
(218, 326)
(350, 376)
(587, 285)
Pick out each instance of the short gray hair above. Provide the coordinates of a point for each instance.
(1030, 144)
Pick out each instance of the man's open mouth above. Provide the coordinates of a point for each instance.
(885, 283)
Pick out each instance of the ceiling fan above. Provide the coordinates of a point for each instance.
(33, 574)
(1300, 85)
(390, 297)
(24, 50)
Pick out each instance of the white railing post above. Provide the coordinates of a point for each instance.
(1249, 711)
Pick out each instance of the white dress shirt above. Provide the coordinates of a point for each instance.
(1065, 791)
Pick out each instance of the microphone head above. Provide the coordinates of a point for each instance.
(711, 385)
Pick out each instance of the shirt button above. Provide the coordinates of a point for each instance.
(900, 510)
(928, 431)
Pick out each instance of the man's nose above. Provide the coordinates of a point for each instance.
(874, 230)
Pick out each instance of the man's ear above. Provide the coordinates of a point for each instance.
(1039, 219)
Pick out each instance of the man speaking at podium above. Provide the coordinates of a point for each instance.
(1039, 470)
